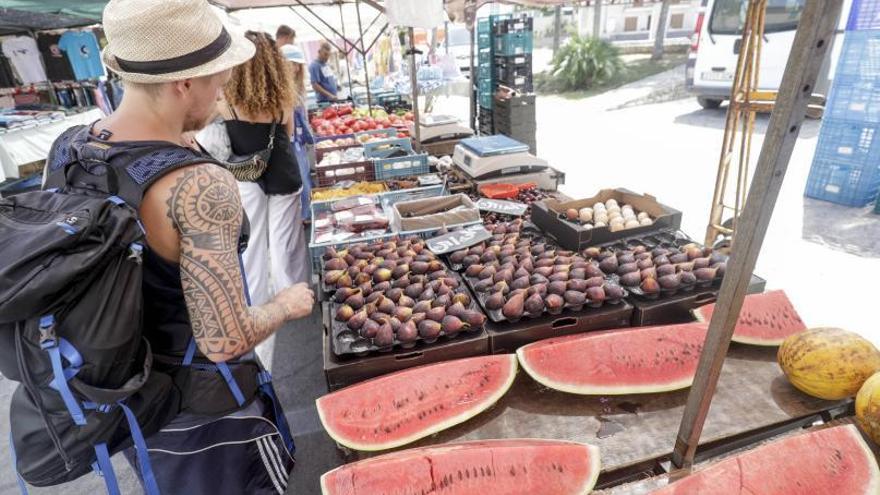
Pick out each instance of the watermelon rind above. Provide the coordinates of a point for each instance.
(587, 487)
(874, 487)
(438, 427)
(595, 389)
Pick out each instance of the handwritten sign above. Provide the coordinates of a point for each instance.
(499, 206)
(459, 239)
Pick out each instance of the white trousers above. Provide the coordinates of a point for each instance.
(276, 256)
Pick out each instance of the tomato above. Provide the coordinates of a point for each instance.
(371, 126)
(408, 116)
(345, 110)
(402, 135)
(329, 113)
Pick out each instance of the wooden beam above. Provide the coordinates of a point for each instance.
(813, 39)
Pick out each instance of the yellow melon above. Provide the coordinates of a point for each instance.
(868, 407)
(828, 363)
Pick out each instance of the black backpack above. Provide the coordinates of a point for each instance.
(71, 312)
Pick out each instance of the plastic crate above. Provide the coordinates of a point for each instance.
(484, 41)
(511, 70)
(485, 72)
(854, 99)
(484, 25)
(513, 44)
(402, 166)
(486, 85)
(484, 58)
(389, 198)
(518, 24)
(846, 167)
(860, 55)
(521, 84)
(386, 133)
(485, 100)
(388, 147)
(864, 14)
(357, 171)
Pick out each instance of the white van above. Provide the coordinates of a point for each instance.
(715, 48)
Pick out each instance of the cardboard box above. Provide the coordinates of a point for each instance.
(434, 213)
(547, 216)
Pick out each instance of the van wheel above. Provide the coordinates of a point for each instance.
(708, 103)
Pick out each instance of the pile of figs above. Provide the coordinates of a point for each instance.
(397, 292)
(516, 275)
(650, 272)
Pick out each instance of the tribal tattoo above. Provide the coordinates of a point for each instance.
(207, 212)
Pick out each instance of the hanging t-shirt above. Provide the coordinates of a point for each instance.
(22, 52)
(58, 66)
(84, 54)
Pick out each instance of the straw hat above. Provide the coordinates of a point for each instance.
(154, 41)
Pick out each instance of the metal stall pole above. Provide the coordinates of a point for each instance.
(357, 6)
(472, 94)
(813, 39)
(347, 52)
(413, 77)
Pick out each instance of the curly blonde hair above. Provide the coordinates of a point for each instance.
(263, 84)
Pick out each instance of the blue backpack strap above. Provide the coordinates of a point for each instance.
(104, 468)
(221, 368)
(264, 378)
(21, 485)
(151, 487)
(55, 347)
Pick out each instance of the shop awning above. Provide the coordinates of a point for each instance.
(14, 21)
(89, 9)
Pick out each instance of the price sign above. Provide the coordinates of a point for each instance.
(499, 206)
(459, 239)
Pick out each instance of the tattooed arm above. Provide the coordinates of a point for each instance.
(206, 210)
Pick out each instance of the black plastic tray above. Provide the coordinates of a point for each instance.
(347, 342)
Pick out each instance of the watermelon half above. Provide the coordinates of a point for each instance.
(829, 461)
(510, 467)
(765, 319)
(617, 362)
(402, 407)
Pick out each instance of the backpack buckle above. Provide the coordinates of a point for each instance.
(136, 252)
(48, 338)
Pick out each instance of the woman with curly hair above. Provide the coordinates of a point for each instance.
(260, 95)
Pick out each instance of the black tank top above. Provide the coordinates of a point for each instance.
(282, 177)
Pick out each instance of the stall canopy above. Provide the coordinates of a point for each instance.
(13, 21)
(89, 9)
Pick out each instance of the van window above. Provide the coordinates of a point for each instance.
(728, 16)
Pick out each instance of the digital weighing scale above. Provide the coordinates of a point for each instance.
(495, 156)
(440, 128)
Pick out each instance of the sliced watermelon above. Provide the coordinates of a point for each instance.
(511, 467)
(765, 319)
(830, 461)
(402, 407)
(617, 362)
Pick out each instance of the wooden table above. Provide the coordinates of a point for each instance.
(635, 433)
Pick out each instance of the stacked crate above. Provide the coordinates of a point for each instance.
(846, 166)
(485, 74)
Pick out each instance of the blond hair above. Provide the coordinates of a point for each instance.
(262, 85)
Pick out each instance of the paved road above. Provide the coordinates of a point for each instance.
(668, 149)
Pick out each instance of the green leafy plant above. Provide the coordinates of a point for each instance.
(585, 61)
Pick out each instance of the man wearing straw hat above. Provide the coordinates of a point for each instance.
(230, 436)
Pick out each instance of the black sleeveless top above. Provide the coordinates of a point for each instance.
(282, 177)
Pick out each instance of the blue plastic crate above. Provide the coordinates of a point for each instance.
(484, 72)
(513, 43)
(864, 14)
(484, 41)
(855, 100)
(486, 85)
(389, 198)
(485, 100)
(387, 147)
(484, 57)
(484, 25)
(401, 166)
(860, 55)
(846, 166)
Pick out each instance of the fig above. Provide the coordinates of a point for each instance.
(650, 286)
(716, 258)
(514, 307)
(458, 256)
(645, 264)
(609, 265)
(406, 301)
(706, 274)
(456, 309)
(402, 313)
(473, 318)
(495, 301)
(664, 270)
(578, 285)
(574, 298)
(501, 287)
(644, 256)
(640, 250)
(521, 272)
(595, 281)
(451, 325)
(544, 263)
(429, 330)
(631, 279)
(441, 301)
(419, 267)
(483, 285)
(356, 300)
(544, 271)
(402, 283)
(613, 291)
(369, 329)
(344, 293)
(422, 307)
(332, 276)
(346, 281)
(488, 256)
(344, 313)
(357, 320)
(578, 273)
(395, 323)
(661, 260)
(627, 268)
(592, 252)
(435, 266)
(538, 279)
(625, 259)
(373, 297)
(534, 305)
(659, 251)
(408, 333)
(370, 309)
(349, 259)
(701, 263)
(378, 316)
(362, 278)
(385, 336)
(382, 287)
(462, 298)
(678, 258)
(427, 295)
(649, 273)
(370, 269)
(394, 294)
(554, 303)
(451, 282)
(540, 289)
(685, 267)
(414, 290)
(331, 253)
(470, 259)
(688, 278)
(669, 282)
(504, 276)
(398, 271)
(418, 318)
(562, 269)
(473, 270)
(487, 272)
(560, 276)
(521, 283)
(592, 270)
(385, 305)
(353, 271)
(436, 314)
(559, 287)
(694, 253)
(596, 294)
